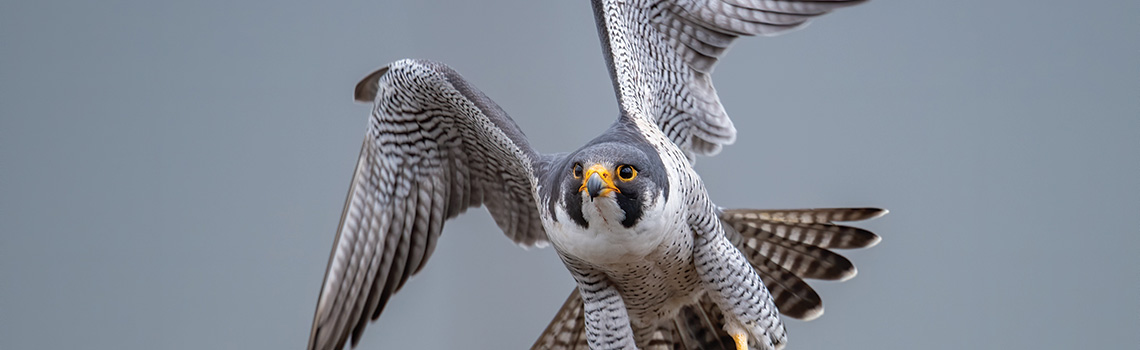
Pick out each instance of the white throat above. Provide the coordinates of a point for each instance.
(603, 214)
(605, 241)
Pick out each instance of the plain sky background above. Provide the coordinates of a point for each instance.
(171, 172)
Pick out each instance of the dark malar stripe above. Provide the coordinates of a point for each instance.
(629, 203)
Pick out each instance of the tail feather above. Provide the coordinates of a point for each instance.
(793, 297)
(787, 246)
(803, 260)
(701, 326)
(665, 337)
(806, 216)
(807, 227)
(698, 326)
(568, 329)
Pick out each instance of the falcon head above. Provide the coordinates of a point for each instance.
(607, 184)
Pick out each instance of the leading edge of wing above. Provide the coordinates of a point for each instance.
(435, 146)
(661, 54)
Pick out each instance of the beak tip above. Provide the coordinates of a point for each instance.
(594, 185)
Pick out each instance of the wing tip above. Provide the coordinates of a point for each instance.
(858, 214)
(812, 313)
(849, 274)
(367, 88)
(875, 239)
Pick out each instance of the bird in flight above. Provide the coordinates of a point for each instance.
(658, 265)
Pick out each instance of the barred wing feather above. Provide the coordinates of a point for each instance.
(661, 54)
(781, 258)
(435, 146)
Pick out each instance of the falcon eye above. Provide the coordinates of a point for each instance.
(577, 170)
(626, 172)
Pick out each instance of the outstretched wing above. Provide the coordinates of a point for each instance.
(784, 246)
(435, 147)
(661, 53)
(788, 246)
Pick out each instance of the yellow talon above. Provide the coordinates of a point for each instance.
(741, 340)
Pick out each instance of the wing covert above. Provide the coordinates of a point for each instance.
(661, 54)
(435, 146)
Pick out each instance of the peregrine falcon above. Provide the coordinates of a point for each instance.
(658, 265)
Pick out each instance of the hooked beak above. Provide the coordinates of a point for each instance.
(598, 181)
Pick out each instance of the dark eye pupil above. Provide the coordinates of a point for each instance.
(626, 172)
(577, 170)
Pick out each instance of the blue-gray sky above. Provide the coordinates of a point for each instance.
(171, 172)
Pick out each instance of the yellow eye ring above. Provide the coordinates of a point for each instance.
(577, 171)
(626, 172)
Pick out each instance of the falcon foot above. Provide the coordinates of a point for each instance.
(741, 340)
